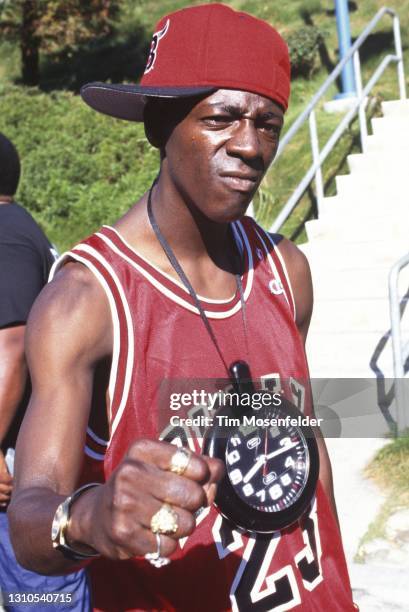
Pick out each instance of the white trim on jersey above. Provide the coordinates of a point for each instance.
(131, 346)
(115, 321)
(244, 560)
(55, 266)
(281, 258)
(275, 272)
(159, 270)
(114, 314)
(170, 294)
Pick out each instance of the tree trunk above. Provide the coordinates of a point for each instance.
(29, 44)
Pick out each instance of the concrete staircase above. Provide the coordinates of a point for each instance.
(361, 233)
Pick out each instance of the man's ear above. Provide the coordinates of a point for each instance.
(161, 115)
(156, 129)
(153, 137)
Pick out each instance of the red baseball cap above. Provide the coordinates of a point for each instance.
(198, 50)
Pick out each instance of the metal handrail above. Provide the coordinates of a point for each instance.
(399, 356)
(358, 107)
(400, 351)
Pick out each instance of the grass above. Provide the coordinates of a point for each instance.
(390, 471)
(390, 468)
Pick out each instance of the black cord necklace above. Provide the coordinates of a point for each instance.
(179, 270)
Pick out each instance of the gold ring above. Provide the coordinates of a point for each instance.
(180, 461)
(154, 558)
(165, 520)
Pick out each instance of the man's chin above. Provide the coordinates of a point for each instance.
(232, 208)
(237, 212)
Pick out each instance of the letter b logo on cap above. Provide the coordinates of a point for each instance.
(154, 46)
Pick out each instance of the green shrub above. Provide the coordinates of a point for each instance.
(80, 168)
(303, 46)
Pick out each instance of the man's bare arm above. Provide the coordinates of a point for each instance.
(301, 283)
(69, 331)
(62, 343)
(300, 277)
(13, 378)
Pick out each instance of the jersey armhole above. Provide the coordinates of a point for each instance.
(123, 337)
(284, 267)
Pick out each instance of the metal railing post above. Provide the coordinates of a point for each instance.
(395, 322)
(402, 415)
(315, 148)
(362, 101)
(358, 108)
(399, 53)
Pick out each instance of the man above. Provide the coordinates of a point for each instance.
(26, 257)
(131, 318)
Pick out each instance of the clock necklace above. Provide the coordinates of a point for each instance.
(271, 469)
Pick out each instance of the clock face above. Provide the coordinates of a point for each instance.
(268, 467)
(271, 470)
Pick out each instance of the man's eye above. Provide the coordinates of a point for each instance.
(218, 120)
(271, 128)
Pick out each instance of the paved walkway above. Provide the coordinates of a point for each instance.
(378, 586)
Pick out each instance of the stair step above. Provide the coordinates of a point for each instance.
(370, 283)
(389, 127)
(387, 162)
(375, 144)
(356, 255)
(395, 108)
(348, 230)
(353, 313)
(360, 209)
(369, 185)
(331, 353)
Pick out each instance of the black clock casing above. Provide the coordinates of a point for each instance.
(292, 458)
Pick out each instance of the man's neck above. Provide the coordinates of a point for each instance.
(186, 229)
(6, 199)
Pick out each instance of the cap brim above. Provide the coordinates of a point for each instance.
(128, 101)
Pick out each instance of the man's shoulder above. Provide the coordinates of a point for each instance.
(73, 305)
(73, 281)
(297, 269)
(293, 256)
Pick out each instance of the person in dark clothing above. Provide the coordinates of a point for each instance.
(26, 257)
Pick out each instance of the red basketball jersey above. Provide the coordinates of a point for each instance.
(159, 337)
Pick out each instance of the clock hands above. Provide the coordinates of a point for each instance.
(265, 452)
(260, 461)
(264, 458)
(285, 448)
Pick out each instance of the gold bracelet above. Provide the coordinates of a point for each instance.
(60, 525)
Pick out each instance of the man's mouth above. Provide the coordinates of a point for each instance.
(240, 181)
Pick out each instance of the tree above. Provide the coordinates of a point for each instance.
(47, 26)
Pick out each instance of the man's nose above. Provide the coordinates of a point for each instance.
(245, 141)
